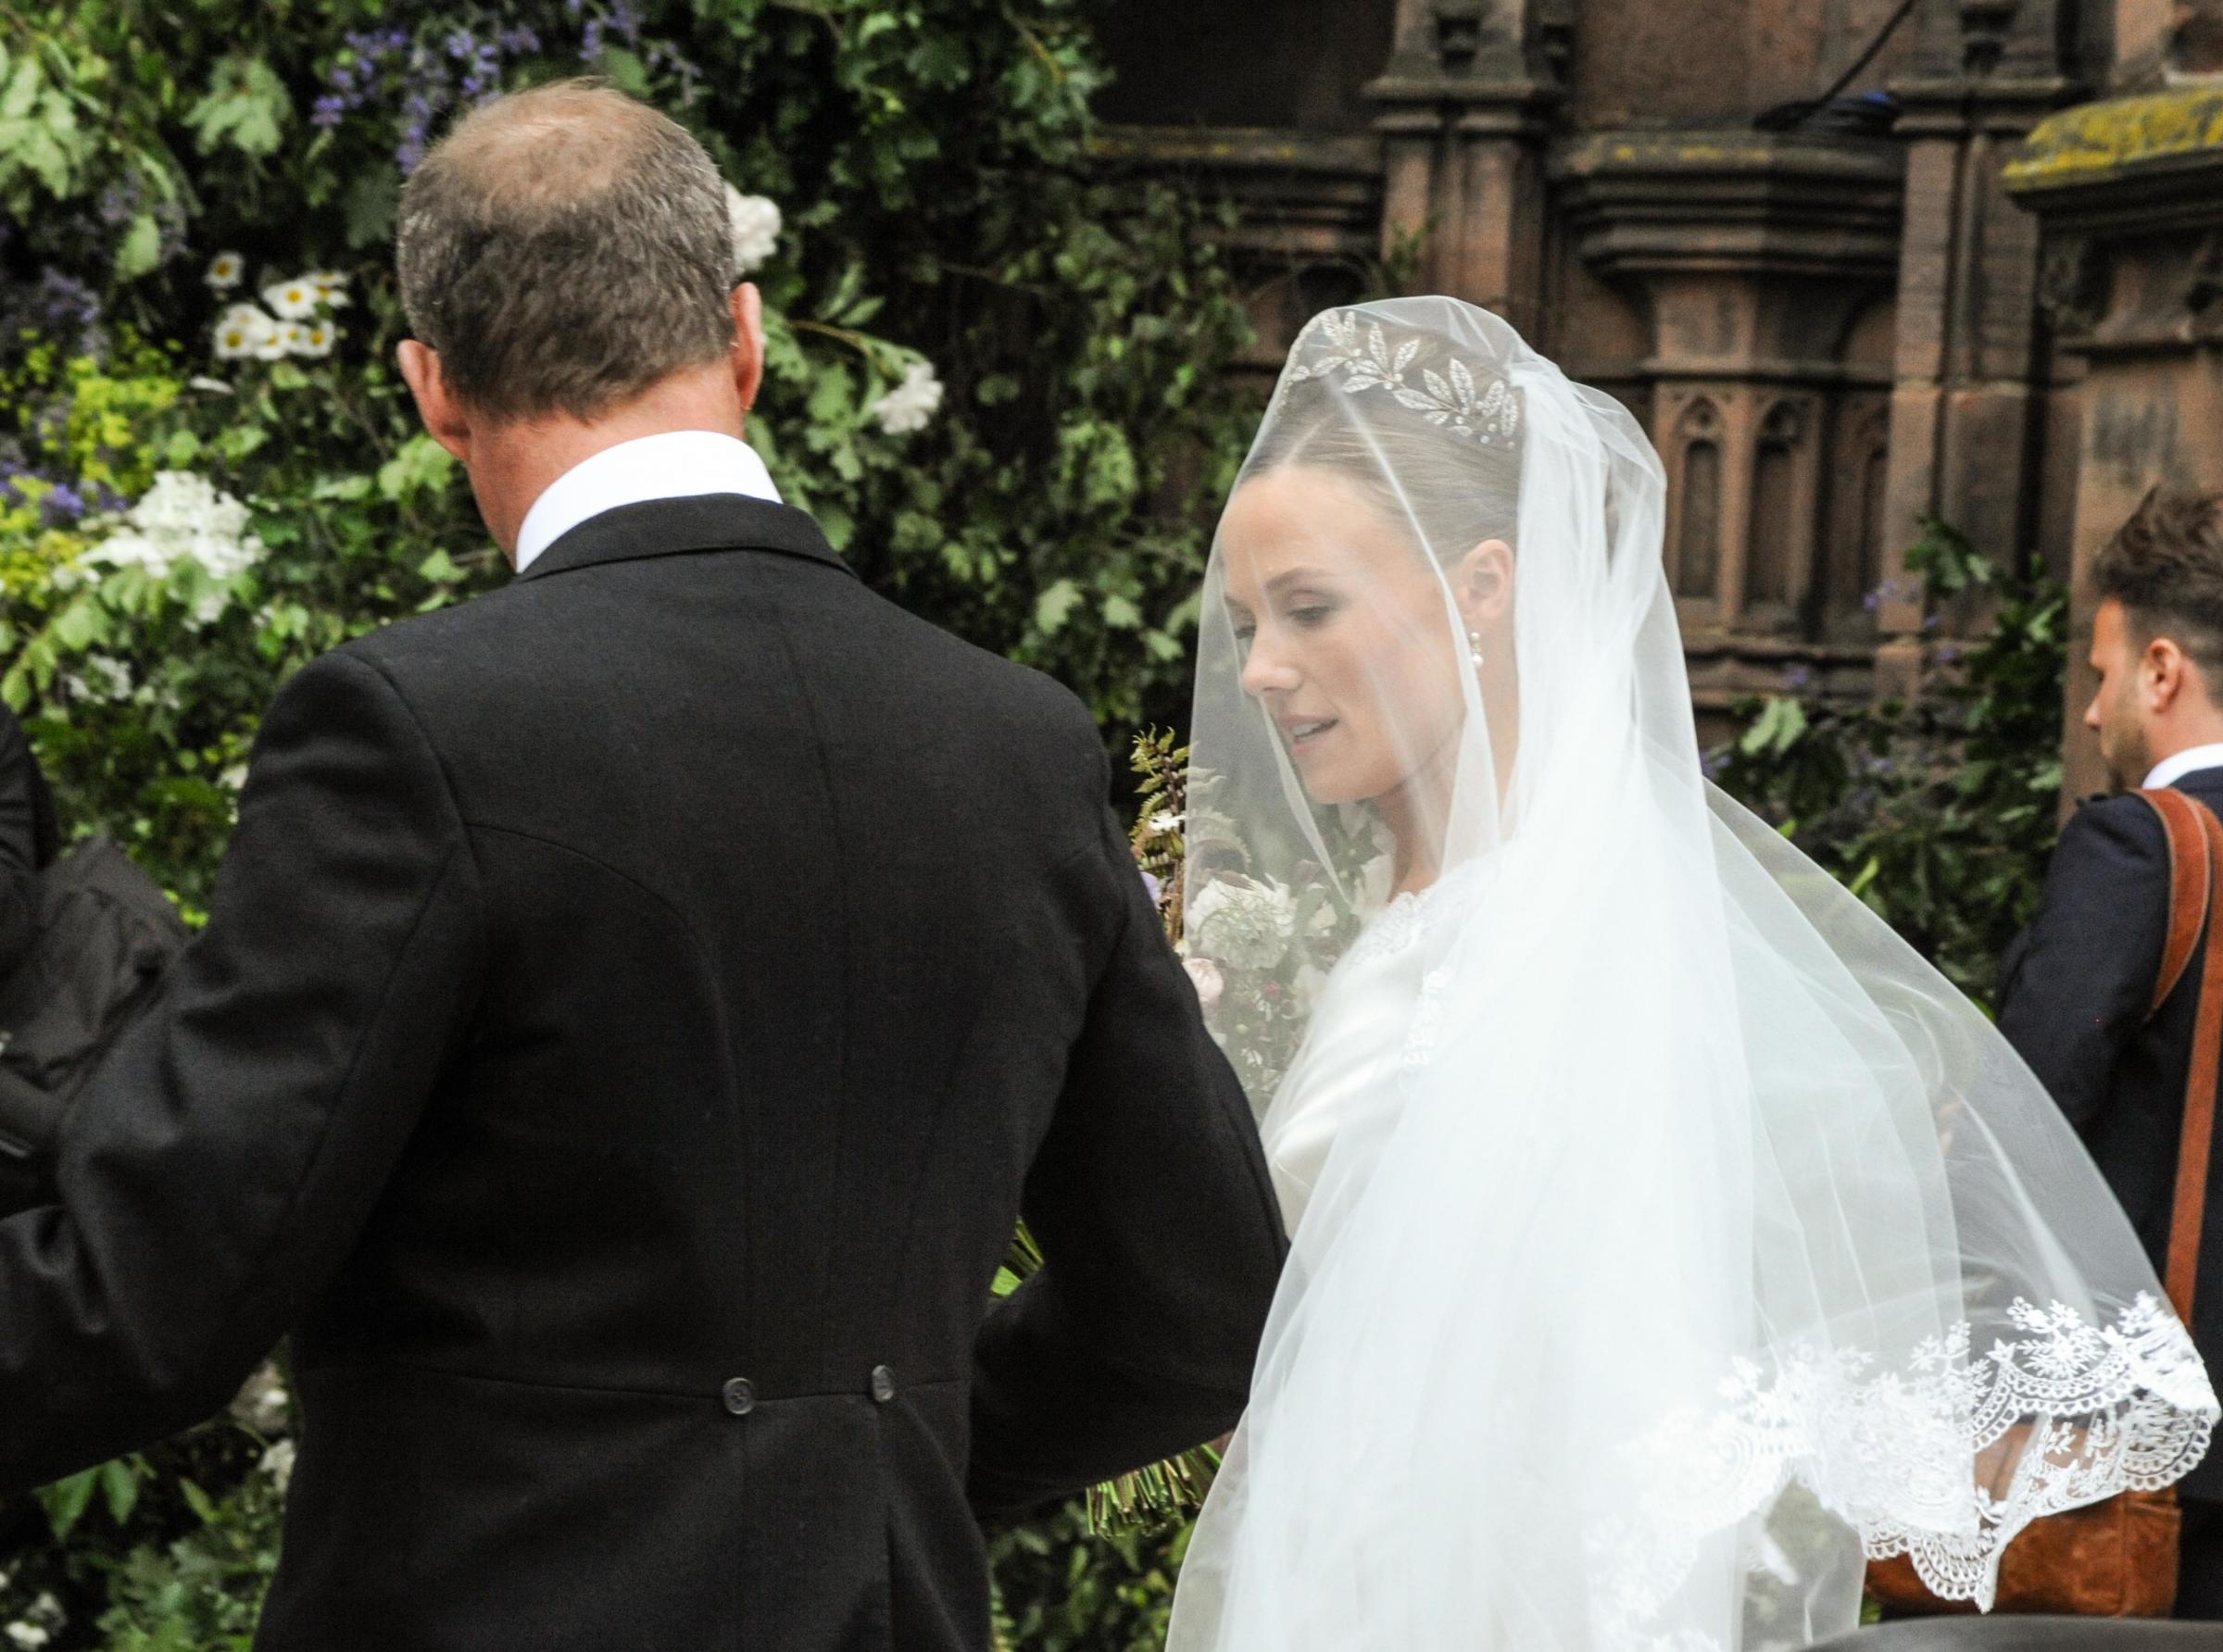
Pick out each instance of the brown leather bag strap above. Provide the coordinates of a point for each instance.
(2195, 1146)
(2189, 882)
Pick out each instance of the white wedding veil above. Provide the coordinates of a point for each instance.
(1667, 1234)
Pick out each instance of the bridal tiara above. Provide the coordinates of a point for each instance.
(1491, 417)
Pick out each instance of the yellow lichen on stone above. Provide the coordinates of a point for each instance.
(2078, 143)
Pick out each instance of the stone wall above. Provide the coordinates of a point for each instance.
(1834, 321)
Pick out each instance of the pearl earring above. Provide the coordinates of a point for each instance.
(1474, 648)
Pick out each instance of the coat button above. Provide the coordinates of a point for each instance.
(883, 1384)
(740, 1396)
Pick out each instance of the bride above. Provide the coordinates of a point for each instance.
(1667, 1234)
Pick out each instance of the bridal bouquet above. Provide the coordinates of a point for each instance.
(1256, 948)
(1258, 951)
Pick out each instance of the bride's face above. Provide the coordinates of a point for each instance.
(1344, 637)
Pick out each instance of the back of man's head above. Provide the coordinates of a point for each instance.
(563, 250)
(2165, 567)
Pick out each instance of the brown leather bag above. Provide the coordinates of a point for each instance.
(2118, 1558)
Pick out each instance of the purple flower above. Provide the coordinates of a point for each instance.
(1799, 679)
(328, 111)
(1155, 887)
(62, 505)
(590, 40)
(519, 41)
(120, 203)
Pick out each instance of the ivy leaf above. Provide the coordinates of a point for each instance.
(625, 71)
(120, 1485)
(1054, 605)
(1777, 729)
(1121, 614)
(66, 1501)
(140, 250)
(373, 199)
(246, 107)
(22, 93)
(79, 625)
(421, 466)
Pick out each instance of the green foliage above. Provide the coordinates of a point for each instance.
(940, 204)
(1063, 1586)
(1938, 814)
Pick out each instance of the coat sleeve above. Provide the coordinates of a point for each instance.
(1162, 1241)
(220, 1163)
(2075, 986)
(19, 840)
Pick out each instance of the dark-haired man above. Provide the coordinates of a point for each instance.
(2075, 986)
(637, 1007)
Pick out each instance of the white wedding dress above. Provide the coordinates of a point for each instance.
(1667, 1238)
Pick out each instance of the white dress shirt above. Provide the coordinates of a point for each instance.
(2191, 760)
(673, 465)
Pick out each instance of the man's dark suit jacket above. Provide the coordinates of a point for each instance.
(636, 1007)
(2073, 994)
(27, 837)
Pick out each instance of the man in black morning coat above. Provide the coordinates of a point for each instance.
(27, 838)
(636, 1006)
(2075, 987)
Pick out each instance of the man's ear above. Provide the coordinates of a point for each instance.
(2168, 671)
(445, 419)
(748, 344)
(1482, 585)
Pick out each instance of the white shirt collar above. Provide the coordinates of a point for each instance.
(2191, 760)
(671, 465)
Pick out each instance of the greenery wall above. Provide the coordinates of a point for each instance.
(995, 376)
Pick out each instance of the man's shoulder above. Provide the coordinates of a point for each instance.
(2114, 831)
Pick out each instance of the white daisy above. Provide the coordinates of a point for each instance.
(315, 339)
(225, 271)
(293, 301)
(242, 333)
(331, 286)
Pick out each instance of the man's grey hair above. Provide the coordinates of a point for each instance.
(564, 249)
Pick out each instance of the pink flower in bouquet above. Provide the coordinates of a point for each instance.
(1205, 975)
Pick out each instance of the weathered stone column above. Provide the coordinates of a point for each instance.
(1465, 103)
(2130, 193)
(1971, 375)
(1753, 256)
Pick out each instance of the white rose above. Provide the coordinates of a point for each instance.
(1247, 923)
(756, 227)
(910, 405)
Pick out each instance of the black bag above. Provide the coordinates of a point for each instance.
(105, 934)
